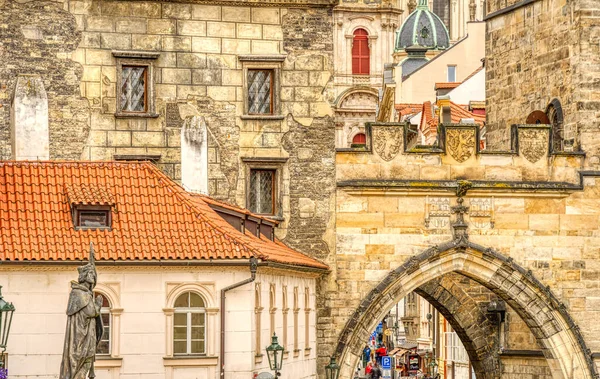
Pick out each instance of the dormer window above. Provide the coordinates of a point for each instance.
(92, 217)
(91, 205)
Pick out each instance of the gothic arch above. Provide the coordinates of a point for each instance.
(478, 334)
(548, 319)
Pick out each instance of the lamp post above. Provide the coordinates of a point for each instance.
(275, 355)
(6, 313)
(332, 370)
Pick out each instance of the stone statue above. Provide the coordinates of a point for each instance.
(84, 325)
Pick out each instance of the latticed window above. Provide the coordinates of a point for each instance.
(260, 91)
(134, 88)
(262, 191)
(189, 325)
(104, 345)
(361, 53)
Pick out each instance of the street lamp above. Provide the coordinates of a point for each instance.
(6, 313)
(332, 370)
(275, 355)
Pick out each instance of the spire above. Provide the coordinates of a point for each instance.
(422, 4)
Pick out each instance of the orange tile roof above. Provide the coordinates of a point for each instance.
(446, 85)
(153, 217)
(459, 112)
(408, 108)
(89, 194)
(223, 204)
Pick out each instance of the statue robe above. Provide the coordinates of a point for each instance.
(84, 331)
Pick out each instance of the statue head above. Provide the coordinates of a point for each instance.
(87, 272)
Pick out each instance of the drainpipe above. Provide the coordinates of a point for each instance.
(253, 268)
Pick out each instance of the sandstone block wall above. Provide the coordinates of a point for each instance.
(542, 51)
(391, 205)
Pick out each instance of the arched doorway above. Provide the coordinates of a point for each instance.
(556, 333)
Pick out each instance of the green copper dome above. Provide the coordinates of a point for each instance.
(422, 28)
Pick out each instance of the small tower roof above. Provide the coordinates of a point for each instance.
(422, 28)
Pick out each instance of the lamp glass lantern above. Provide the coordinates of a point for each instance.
(275, 354)
(332, 370)
(6, 314)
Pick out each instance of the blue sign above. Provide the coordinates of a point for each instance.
(386, 362)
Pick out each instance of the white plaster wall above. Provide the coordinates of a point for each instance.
(40, 297)
(466, 55)
(29, 120)
(471, 90)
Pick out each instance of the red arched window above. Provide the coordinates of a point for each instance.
(361, 54)
(359, 139)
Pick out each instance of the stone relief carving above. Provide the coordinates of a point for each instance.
(481, 213)
(437, 212)
(387, 141)
(533, 144)
(359, 100)
(461, 143)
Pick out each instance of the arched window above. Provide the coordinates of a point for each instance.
(361, 53)
(555, 117)
(272, 309)
(104, 347)
(306, 321)
(296, 310)
(189, 325)
(359, 139)
(258, 315)
(284, 309)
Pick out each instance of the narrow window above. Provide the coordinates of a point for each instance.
(104, 347)
(260, 91)
(296, 310)
(272, 309)
(284, 308)
(306, 320)
(262, 191)
(451, 74)
(189, 326)
(134, 80)
(361, 53)
(258, 314)
(555, 117)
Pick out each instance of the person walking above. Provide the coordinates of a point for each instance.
(368, 369)
(376, 373)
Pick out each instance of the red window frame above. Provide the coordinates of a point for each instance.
(361, 53)
(359, 139)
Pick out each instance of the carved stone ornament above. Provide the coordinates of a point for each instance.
(387, 141)
(460, 143)
(437, 212)
(533, 144)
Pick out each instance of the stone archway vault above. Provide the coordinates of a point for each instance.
(547, 318)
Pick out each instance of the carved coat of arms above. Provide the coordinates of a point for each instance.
(533, 144)
(460, 143)
(387, 141)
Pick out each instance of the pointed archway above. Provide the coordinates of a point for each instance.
(548, 319)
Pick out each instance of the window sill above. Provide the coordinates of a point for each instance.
(136, 115)
(296, 353)
(107, 361)
(262, 117)
(189, 360)
(307, 351)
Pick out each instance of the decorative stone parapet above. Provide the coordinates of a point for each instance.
(528, 165)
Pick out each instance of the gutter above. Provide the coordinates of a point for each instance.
(253, 268)
(167, 263)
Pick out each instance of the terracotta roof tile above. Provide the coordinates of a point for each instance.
(90, 194)
(153, 217)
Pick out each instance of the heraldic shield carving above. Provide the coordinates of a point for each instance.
(460, 143)
(533, 144)
(387, 140)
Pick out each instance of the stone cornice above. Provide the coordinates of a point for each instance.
(262, 3)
